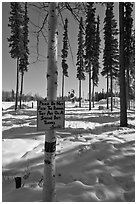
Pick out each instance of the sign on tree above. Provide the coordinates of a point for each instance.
(50, 114)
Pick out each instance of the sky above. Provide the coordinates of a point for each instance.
(35, 79)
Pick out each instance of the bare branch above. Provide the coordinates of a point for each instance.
(37, 59)
(38, 34)
(38, 7)
(44, 21)
(34, 24)
(42, 5)
(72, 12)
(44, 37)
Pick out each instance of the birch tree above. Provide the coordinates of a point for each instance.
(49, 193)
(50, 136)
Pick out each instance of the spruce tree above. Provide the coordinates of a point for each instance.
(123, 101)
(15, 40)
(132, 68)
(80, 57)
(23, 64)
(110, 55)
(128, 24)
(90, 42)
(64, 54)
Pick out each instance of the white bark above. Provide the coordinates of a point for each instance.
(50, 137)
(52, 53)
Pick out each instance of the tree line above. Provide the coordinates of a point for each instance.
(88, 47)
(10, 96)
(89, 50)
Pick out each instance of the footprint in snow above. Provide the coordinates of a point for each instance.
(101, 157)
(100, 195)
(106, 179)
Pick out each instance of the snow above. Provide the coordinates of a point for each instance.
(95, 157)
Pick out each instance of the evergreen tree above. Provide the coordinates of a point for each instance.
(95, 70)
(23, 64)
(128, 24)
(80, 57)
(15, 23)
(123, 101)
(110, 56)
(132, 68)
(90, 42)
(64, 54)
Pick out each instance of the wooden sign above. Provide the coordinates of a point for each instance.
(50, 114)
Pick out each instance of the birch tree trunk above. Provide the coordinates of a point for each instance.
(123, 99)
(17, 85)
(49, 194)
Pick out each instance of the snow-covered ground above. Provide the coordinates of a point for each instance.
(95, 158)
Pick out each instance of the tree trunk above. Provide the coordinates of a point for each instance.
(49, 194)
(111, 84)
(107, 91)
(79, 93)
(123, 100)
(90, 87)
(93, 98)
(63, 85)
(21, 90)
(17, 85)
(128, 99)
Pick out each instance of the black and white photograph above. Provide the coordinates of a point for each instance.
(68, 101)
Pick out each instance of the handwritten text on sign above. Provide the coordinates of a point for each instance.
(50, 114)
